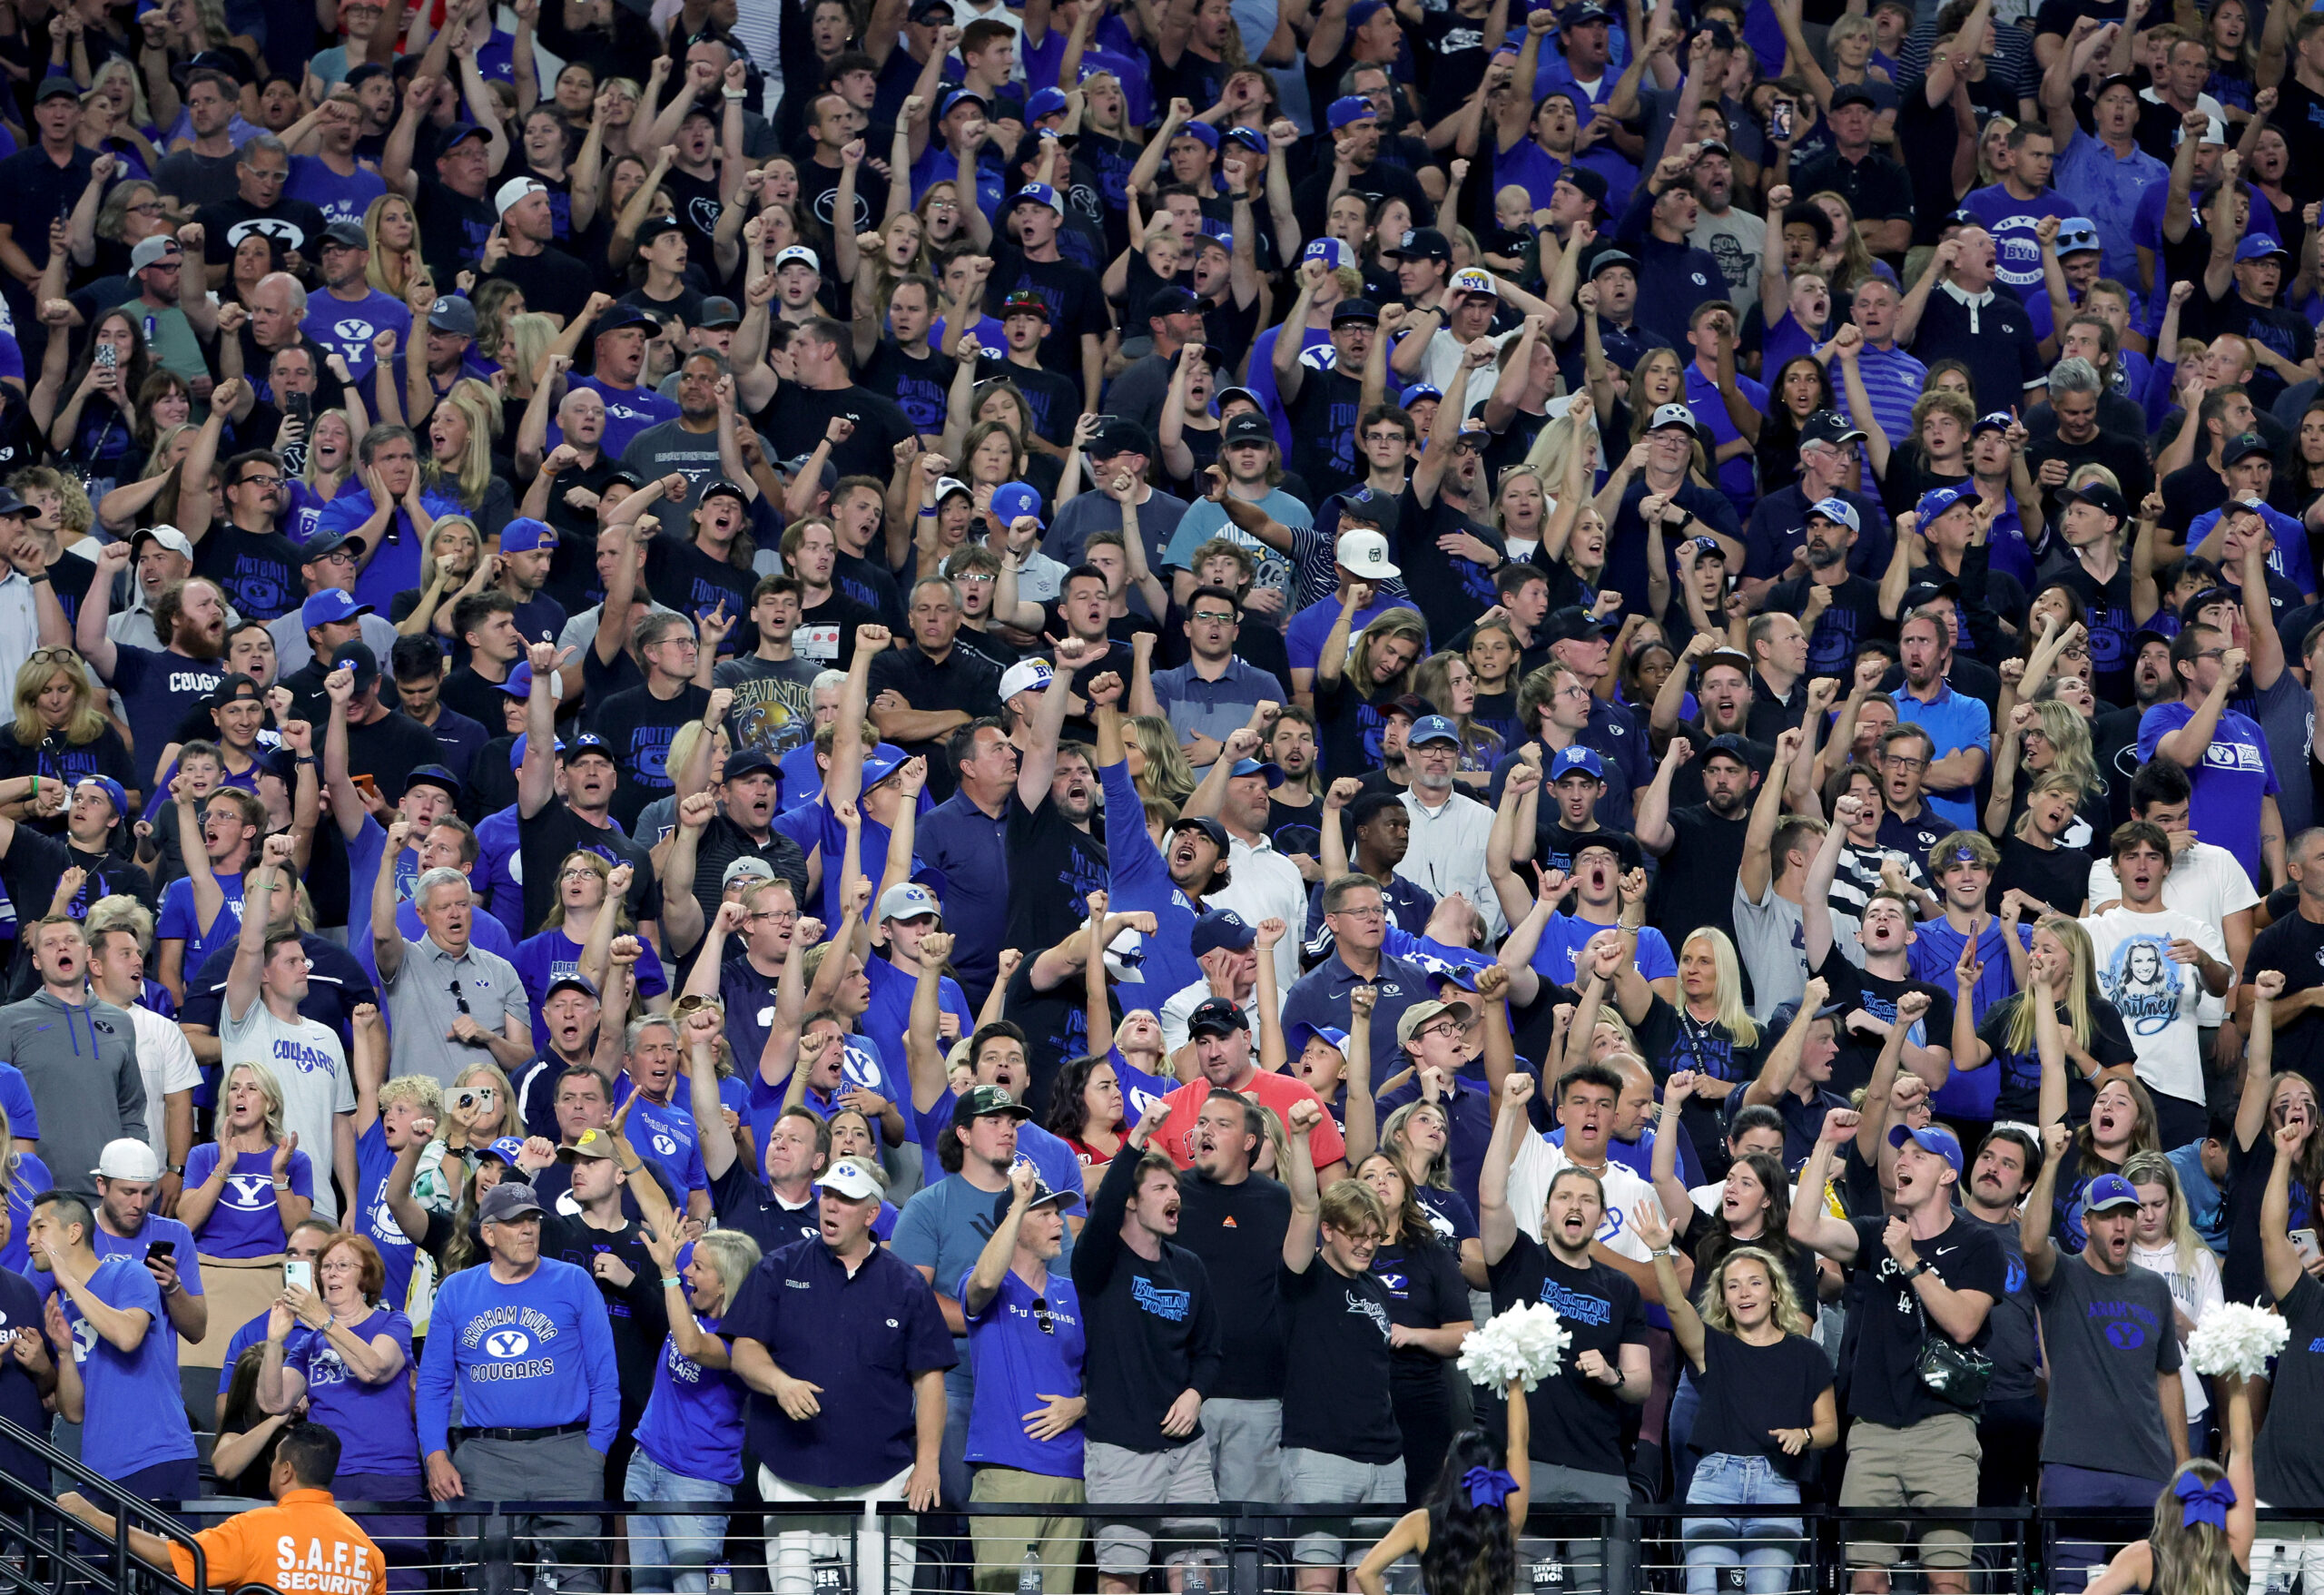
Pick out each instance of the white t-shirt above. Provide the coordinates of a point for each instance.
(1537, 1164)
(2206, 882)
(311, 1068)
(2194, 1295)
(2156, 996)
(166, 1061)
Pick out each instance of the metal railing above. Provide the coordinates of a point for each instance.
(44, 1550)
(1227, 1549)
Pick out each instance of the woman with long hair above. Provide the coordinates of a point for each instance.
(1855, 263)
(61, 730)
(1445, 681)
(2047, 738)
(2094, 1037)
(1748, 1348)
(248, 1433)
(690, 1437)
(451, 567)
(1418, 1136)
(1165, 775)
(87, 416)
(23, 1176)
(1709, 1033)
(2269, 1102)
(2121, 1122)
(246, 1190)
(330, 468)
(1801, 387)
(342, 1352)
(1494, 656)
(2165, 1243)
(480, 1109)
(393, 228)
(2234, 56)
(590, 910)
(1354, 685)
(1428, 1314)
(1521, 509)
(2200, 1542)
(257, 257)
(459, 458)
(163, 400)
(1466, 1535)
(1086, 1113)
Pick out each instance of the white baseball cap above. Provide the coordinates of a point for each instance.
(1367, 553)
(127, 1159)
(1024, 677)
(801, 254)
(849, 1179)
(514, 189)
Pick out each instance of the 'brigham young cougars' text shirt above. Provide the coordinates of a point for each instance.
(534, 1354)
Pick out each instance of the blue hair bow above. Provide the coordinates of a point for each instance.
(2201, 1502)
(1487, 1486)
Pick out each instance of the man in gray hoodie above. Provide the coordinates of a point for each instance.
(78, 1055)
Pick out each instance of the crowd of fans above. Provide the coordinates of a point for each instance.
(911, 750)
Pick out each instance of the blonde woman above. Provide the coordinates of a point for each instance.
(393, 228)
(451, 567)
(61, 732)
(2164, 1242)
(459, 457)
(2094, 1036)
(524, 350)
(249, 1188)
(1165, 774)
(1708, 1031)
(331, 465)
(2047, 738)
(23, 1176)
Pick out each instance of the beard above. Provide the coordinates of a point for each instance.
(197, 643)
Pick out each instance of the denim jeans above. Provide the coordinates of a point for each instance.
(1766, 1547)
(658, 1542)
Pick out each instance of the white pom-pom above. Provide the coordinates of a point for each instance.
(2236, 1337)
(1527, 1343)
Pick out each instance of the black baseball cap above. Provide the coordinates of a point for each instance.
(1215, 1017)
(1572, 624)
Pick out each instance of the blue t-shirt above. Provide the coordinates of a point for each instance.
(246, 1223)
(395, 566)
(1565, 936)
(1304, 638)
(2235, 774)
(179, 922)
(31, 1179)
(890, 1010)
(16, 1102)
(1019, 1358)
(552, 955)
(339, 199)
(694, 1419)
(1140, 883)
(346, 326)
(374, 1162)
(373, 1421)
(534, 1354)
(135, 1416)
(1060, 1165)
(628, 412)
(665, 1134)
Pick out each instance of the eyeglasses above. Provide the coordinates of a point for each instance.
(260, 482)
(60, 655)
(577, 873)
(457, 998)
(1373, 912)
(1043, 1316)
(1212, 617)
(336, 557)
(1450, 1029)
(1901, 762)
(780, 916)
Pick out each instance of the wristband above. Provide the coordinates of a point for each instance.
(37, 577)
(281, 1185)
(671, 1279)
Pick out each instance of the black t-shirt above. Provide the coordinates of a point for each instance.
(796, 418)
(259, 571)
(1076, 303)
(557, 831)
(638, 727)
(1450, 590)
(1422, 1278)
(1056, 1023)
(920, 387)
(453, 228)
(2287, 1462)
(1577, 1423)
(1854, 618)
(2245, 1272)
(636, 1312)
(1237, 1231)
(1748, 1390)
(691, 582)
(553, 282)
(1884, 1338)
(2111, 622)
(1335, 1391)
(1695, 885)
(1054, 398)
(826, 634)
(295, 224)
(2058, 876)
(1053, 866)
(2295, 946)
(1875, 995)
(2018, 1093)
(388, 749)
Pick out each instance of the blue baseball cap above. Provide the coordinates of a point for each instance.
(517, 749)
(2258, 247)
(328, 608)
(110, 788)
(1221, 928)
(1418, 391)
(573, 980)
(524, 536)
(1048, 102)
(1296, 1037)
(1202, 133)
(958, 96)
(1334, 252)
(1936, 1138)
(2077, 235)
(1997, 421)
(880, 763)
(1430, 728)
(1936, 501)
(1039, 194)
(1839, 511)
(519, 683)
(508, 1148)
(1250, 138)
(2109, 1191)
(1274, 772)
(1577, 759)
(1012, 499)
(1350, 108)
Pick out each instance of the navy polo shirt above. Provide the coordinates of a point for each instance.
(971, 847)
(1803, 1119)
(1468, 1122)
(1320, 997)
(860, 1336)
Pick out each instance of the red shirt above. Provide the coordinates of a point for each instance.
(1276, 1091)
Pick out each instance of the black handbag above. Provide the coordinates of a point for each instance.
(1954, 1373)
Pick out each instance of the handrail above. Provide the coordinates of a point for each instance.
(125, 1506)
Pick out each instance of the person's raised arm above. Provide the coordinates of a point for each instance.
(1766, 813)
(1811, 1222)
(1685, 1324)
(1496, 1223)
(1299, 1176)
(1782, 1065)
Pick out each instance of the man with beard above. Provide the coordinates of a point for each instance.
(248, 556)
(1734, 238)
(1839, 608)
(2117, 1424)
(2009, 1426)
(157, 689)
(552, 281)
(350, 312)
(1959, 727)
(1724, 698)
(1059, 860)
(1910, 1449)
(1775, 541)
(175, 325)
(1700, 845)
(699, 443)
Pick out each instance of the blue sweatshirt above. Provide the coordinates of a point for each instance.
(535, 1355)
(1141, 880)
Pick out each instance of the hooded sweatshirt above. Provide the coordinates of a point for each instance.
(81, 1066)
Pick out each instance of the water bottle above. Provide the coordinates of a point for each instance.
(722, 1580)
(1197, 1580)
(149, 332)
(1028, 1575)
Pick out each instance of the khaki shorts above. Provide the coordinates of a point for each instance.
(1917, 1471)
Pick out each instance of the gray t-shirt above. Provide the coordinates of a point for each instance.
(1091, 512)
(2108, 1337)
(660, 450)
(773, 707)
(1771, 937)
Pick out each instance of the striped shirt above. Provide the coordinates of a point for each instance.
(1893, 380)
